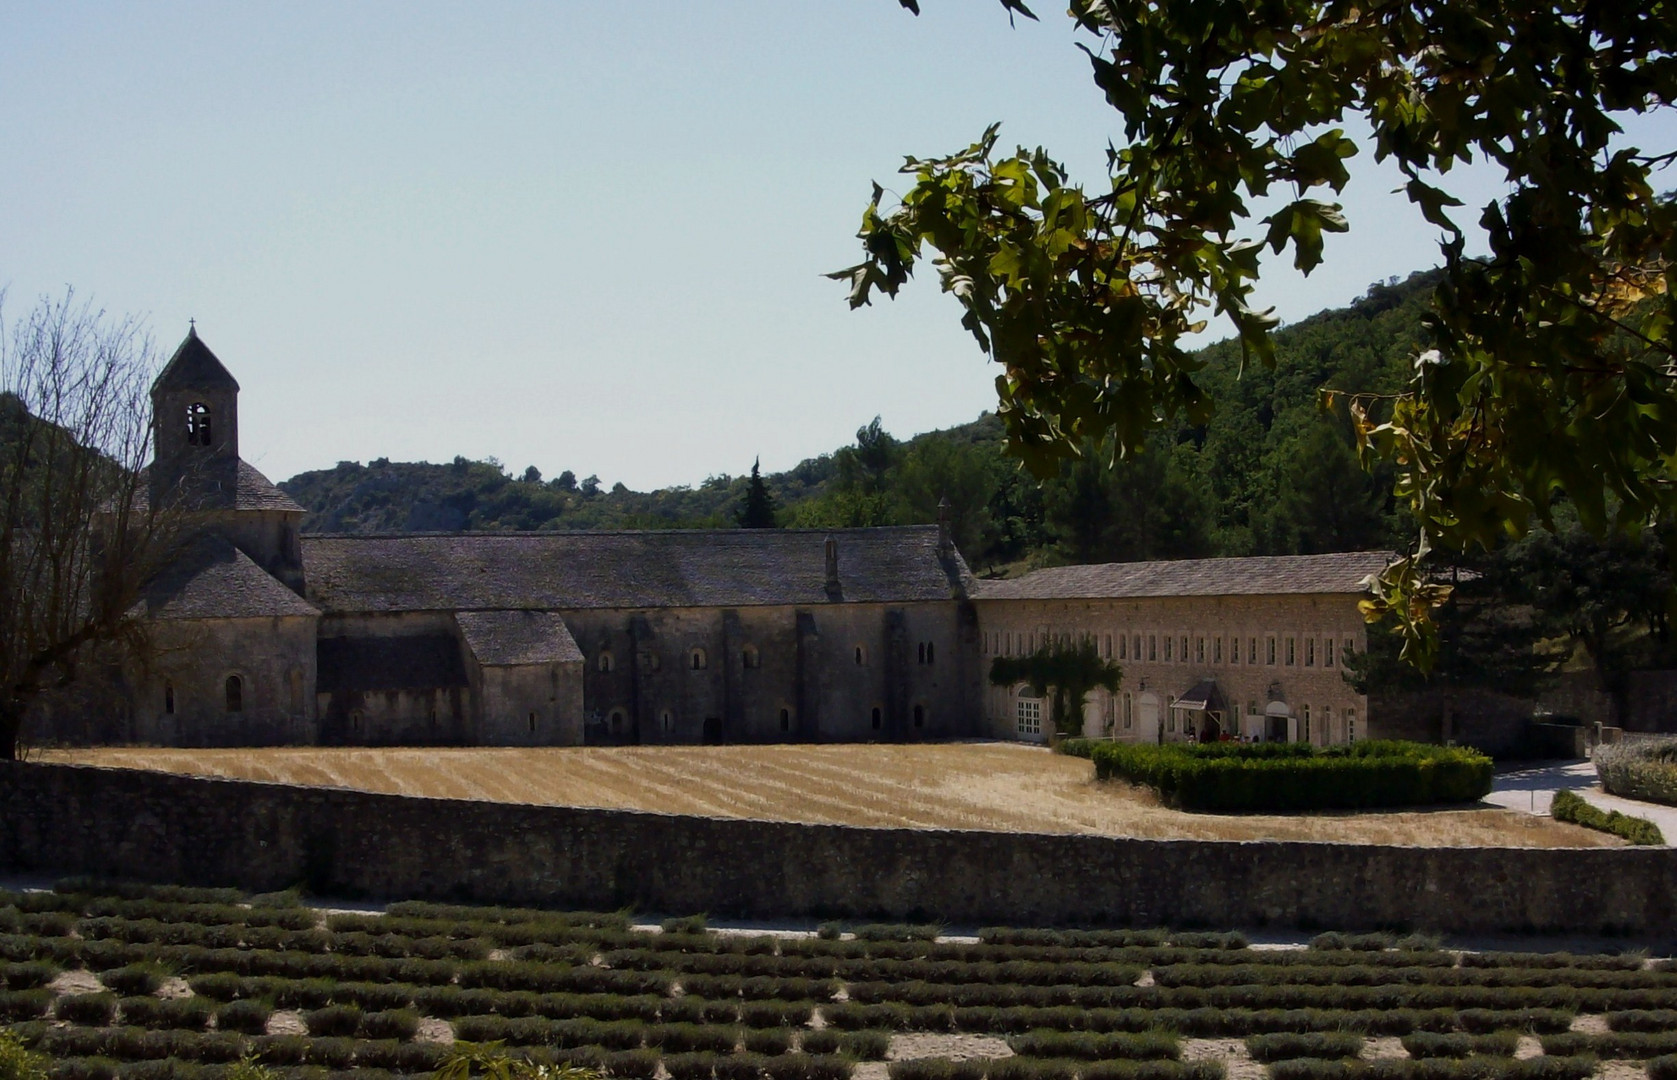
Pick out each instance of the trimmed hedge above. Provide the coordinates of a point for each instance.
(1646, 769)
(1247, 777)
(1570, 806)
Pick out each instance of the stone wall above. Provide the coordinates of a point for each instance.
(77, 819)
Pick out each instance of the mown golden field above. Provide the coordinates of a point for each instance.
(1001, 786)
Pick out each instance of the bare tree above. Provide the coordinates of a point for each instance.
(79, 540)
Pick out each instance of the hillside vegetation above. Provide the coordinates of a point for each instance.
(1272, 473)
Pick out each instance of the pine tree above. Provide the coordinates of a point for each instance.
(757, 512)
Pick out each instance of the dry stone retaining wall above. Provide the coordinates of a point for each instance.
(162, 827)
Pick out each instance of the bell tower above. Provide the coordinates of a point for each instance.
(195, 430)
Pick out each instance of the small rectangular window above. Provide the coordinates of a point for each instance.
(1309, 652)
(1199, 650)
(1251, 650)
(1129, 715)
(1327, 652)
(1152, 647)
(1270, 643)
(1216, 650)
(1184, 651)
(1123, 647)
(1109, 646)
(1290, 652)
(1170, 644)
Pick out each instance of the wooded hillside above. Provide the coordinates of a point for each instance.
(1272, 473)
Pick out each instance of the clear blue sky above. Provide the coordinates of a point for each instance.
(570, 234)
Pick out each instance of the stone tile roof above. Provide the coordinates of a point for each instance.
(257, 492)
(215, 580)
(1266, 575)
(580, 570)
(511, 638)
(254, 492)
(195, 366)
(370, 664)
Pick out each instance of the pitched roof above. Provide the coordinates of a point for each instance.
(511, 638)
(194, 366)
(215, 580)
(418, 662)
(1264, 575)
(254, 492)
(257, 492)
(564, 571)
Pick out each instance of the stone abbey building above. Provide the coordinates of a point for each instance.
(261, 634)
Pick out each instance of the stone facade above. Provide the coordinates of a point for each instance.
(260, 634)
(1218, 655)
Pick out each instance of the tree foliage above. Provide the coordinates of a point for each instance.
(1064, 670)
(79, 539)
(1550, 368)
(756, 510)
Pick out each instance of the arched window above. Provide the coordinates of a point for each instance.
(532, 723)
(169, 699)
(861, 656)
(750, 657)
(786, 719)
(878, 717)
(696, 659)
(666, 721)
(607, 662)
(920, 716)
(235, 694)
(198, 424)
(616, 721)
(355, 720)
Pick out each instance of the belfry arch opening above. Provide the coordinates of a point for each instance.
(198, 430)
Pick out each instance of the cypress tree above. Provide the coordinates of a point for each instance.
(757, 512)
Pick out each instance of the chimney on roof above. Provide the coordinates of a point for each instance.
(832, 569)
(945, 546)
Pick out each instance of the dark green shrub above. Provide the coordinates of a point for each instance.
(188, 1013)
(897, 932)
(690, 1066)
(830, 931)
(1536, 1021)
(94, 1010)
(1428, 1044)
(1283, 1045)
(743, 1066)
(480, 1029)
(1233, 777)
(776, 1013)
(1662, 1068)
(865, 1045)
(244, 1015)
(305, 993)
(921, 1069)
(332, 1021)
(1619, 1044)
(828, 1067)
(399, 1024)
(16, 1005)
(373, 997)
(1091, 1046)
(331, 1052)
(819, 1041)
(1570, 806)
(1643, 1020)
(29, 974)
(83, 1068)
(691, 1038)
(280, 1050)
(687, 924)
(768, 1041)
(631, 1064)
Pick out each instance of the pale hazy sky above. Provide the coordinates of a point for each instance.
(572, 234)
